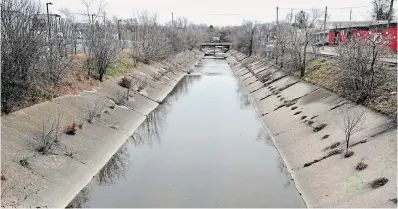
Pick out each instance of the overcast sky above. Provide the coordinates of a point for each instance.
(223, 12)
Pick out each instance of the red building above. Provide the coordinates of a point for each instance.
(377, 31)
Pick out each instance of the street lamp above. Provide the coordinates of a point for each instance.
(48, 20)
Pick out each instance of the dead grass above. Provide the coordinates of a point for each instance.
(361, 165)
(325, 73)
(77, 80)
(319, 127)
(70, 129)
(123, 65)
(378, 183)
(348, 154)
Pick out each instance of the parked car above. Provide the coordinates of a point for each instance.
(321, 43)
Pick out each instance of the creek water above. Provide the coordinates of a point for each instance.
(205, 146)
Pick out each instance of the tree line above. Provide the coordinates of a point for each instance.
(36, 58)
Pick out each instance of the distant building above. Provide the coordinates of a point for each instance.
(340, 32)
(215, 39)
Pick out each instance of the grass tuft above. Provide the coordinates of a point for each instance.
(319, 127)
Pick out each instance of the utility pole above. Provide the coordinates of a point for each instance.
(251, 40)
(350, 14)
(291, 16)
(104, 18)
(118, 30)
(324, 24)
(172, 19)
(388, 22)
(277, 36)
(92, 18)
(48, 20)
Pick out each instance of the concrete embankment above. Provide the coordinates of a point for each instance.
(305, 123)
(53, 180)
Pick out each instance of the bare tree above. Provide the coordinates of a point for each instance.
(300, 34)
(103, 49)
(50, 134)
(70, 31)
(352, 121)
(361, 61)
(241, 37)
(151, 37)
(21, 49)
(380, 9)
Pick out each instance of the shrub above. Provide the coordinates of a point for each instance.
(303, 117)
(125, 82)
(294, 107)
(361, 165)
(71, 129)
(94, 110)
(49, 137)
(119, 98)
(296, 113)
(141, 84)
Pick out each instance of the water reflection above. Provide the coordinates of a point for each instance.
(80, 200)
(150, 130)
(243, 98)
(115, 168)
(183, 86)
(263, 136)
(283, 169)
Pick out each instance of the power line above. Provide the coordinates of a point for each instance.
(223, 14)
(323, 8)
(350, 7)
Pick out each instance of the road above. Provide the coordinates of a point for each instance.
(331, 51)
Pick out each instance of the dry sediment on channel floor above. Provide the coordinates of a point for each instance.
(291, 109)
(53, 180)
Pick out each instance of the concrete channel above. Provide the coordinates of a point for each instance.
(306, 123)
(204, 146)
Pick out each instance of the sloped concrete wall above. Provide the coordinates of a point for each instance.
(54, 180)
(286, 104)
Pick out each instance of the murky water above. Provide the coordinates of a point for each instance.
(203, 147)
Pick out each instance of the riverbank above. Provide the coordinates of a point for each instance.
(304, 121)
(103, 119)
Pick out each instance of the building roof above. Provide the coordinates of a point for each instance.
(353, 24)
(348, 24)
